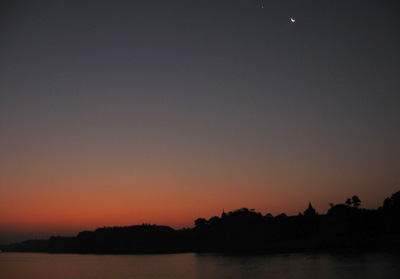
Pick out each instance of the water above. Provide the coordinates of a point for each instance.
(204, 266)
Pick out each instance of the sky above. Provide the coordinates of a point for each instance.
(117, 113)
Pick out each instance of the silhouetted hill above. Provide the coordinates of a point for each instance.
(344, 227)
(128, 240)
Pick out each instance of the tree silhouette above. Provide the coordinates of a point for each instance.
(282, 215)
(200, 222)
(356, 201)
(392, 203)
(396, 201)
(242, 231)
(387, 203)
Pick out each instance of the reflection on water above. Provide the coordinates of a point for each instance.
(205, 266)
(299, 266)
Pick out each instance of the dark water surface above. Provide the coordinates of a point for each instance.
(319, 265)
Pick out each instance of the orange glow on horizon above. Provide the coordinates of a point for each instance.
(69, 202)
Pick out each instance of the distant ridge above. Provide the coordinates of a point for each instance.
(345, 227)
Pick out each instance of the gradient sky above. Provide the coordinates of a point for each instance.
(115, 113)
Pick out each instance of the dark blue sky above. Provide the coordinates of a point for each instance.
(188, 107)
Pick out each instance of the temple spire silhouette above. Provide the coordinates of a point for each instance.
(310, 211)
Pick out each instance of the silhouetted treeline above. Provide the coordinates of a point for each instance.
(344, 227)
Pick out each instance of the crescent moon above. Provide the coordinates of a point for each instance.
(292, 19)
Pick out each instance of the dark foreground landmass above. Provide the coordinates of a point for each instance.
(343, 228)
